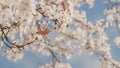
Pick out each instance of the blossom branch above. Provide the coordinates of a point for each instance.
(5, 39)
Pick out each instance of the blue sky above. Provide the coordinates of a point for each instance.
(83, 61)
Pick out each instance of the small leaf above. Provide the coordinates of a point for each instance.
(45, 32)
(39, 30)
(16, 24)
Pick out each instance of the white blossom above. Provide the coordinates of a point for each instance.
(27, 25)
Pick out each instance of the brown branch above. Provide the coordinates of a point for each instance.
(6, 40)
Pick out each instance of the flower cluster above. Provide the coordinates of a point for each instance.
(56, 28)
